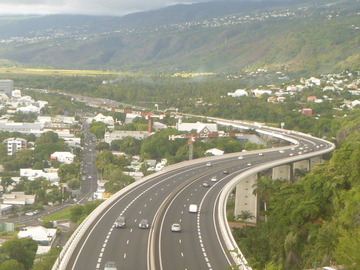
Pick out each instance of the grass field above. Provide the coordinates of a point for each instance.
(61, 72)
(62, 215)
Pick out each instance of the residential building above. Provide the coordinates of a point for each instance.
(14, 144)
(48, 173)
(18, 198)
(62, 129)
(109, 120)
(121, 134)
(63, 157)
(214, 152)
(43, 236)
(199, 127)
(311, 98)
(307, 111)
(6, 87)
(238, 93)
(27, 128)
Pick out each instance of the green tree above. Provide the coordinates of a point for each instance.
(21, 250)
(11, 265)
(103, 159)
(245, 215)
(5, 182)
(46, 261)
(77, 213)
(98, 128)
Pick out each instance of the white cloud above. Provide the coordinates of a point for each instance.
(90, 7)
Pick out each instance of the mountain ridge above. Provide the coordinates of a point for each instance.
(298, 36)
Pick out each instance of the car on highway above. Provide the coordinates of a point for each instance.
(240, 157)
(176, 227)
(193, 208)
(261, 154)
(225, 172)
(281, 151)
(208, 164)
(120, 222)
(110, 266)
(29, 213)
(144, 224)
(206, 184)
(249, 164)
(213, 179)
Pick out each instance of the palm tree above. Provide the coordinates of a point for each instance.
(264, 188)
(245, 215)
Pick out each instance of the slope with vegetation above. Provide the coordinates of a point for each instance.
(314, 221)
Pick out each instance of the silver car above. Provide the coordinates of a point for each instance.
(110, 266)
(144, 224)
(176, 227)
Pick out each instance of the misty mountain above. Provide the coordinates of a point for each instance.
(213, 36)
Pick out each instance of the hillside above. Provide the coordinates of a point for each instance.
(223, 36)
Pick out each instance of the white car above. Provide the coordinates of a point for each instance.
(208, 164)
(206, 184)
(261, 154)
(193, 208)
(176, 227)
(249, 164)
(213, 179)
(281, 151)
(241, 157)
(110, 266)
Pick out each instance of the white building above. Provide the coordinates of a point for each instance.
(6, 87)
(238, 93)
(259, 93)
(18, 198)
(63, 157)
(27, 128)
(130, 117)
(121, 134)
(43, 236)
(14, 144)
(198, 127)
(109, 120)
(214, 152)
(50, 174)
(16, 93)
(28, 109)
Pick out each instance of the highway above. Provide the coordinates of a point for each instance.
(163, 199)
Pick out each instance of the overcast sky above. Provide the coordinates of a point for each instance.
(89, 7)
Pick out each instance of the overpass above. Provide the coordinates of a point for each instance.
(164, 197)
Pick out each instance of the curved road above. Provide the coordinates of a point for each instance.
(165, 197)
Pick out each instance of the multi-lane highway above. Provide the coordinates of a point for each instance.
(163, 199)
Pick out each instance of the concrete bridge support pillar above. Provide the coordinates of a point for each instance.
(314, 161)
(245, 200)
(282, 172)
(302, 165)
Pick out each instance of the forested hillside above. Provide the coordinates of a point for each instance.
(306, 37)
(314, 221)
